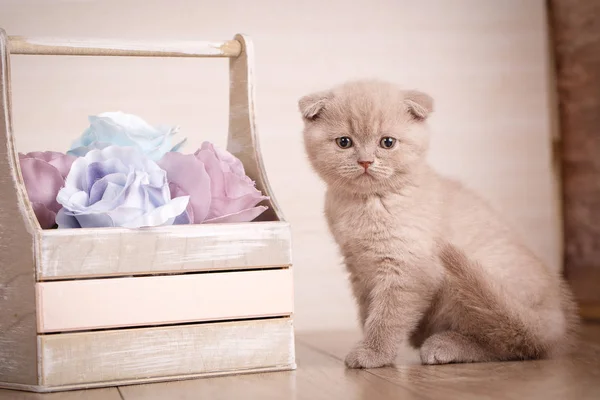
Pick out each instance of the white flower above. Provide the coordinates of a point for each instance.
(118, 128)
(117, 187)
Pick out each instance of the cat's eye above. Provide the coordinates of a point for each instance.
(344, 142)
(387, 142)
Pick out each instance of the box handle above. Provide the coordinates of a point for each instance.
(72, 47)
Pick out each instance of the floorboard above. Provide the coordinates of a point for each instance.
(319, 376)
(575, 377)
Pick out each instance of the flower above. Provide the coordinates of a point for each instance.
(117, 186)
(188, 177)
(233, 194)
(118, 128)
(44, 174)
(217, 184)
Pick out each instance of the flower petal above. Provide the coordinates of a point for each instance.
(185, 218)
(60, 161)
(63, 164)
(64, 220)
(77, 176)
(225, 206)
(188, 174)
(81, 151)
(160, 216)
(188, 216)
(237, 195)
(179, 145)
(42, 181)
(108, 189)
(125, 130)
(46, 217)
(240, 216)
(234, 163)
(213, 169)
(95, 220)
(122, 215)
(236, 186)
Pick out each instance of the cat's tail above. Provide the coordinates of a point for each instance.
(504, 326)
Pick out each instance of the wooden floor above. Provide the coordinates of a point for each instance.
(321, 375)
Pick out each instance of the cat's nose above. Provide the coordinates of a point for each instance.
(365, 164)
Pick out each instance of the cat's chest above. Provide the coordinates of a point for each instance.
(370, 219)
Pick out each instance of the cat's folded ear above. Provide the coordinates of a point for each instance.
(419, 104)
(311, 105)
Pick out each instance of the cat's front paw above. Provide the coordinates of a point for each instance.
(364, 357)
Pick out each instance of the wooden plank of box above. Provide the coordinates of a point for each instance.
(182, 248)
(106, 358)
(158, 300)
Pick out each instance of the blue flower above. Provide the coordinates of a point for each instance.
(118, 128)
(117, 187)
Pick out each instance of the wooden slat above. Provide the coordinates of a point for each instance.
(99, 47)
(140, 355)
(318, 377)
(158, 300)
(95, 394)
(80, 253)
(18, 358)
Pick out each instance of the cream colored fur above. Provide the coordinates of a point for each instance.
(429, 261)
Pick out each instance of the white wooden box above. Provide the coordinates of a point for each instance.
(83, 308)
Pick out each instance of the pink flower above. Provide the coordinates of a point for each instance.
(44, 175)
(217, 184)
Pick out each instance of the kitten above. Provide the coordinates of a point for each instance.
(429, 261)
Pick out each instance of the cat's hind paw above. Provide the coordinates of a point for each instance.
(437, 352)
(451, 347)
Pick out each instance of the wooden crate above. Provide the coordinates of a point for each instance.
(83, 308)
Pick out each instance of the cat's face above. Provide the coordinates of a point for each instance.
(365, 136)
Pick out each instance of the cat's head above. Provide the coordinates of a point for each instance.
(366, 136)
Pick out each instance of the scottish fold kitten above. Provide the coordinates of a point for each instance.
(429, 261)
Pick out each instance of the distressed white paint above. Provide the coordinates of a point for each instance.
(98, 394)
(170, 249)
(242, 140)
(100, 47)
(92, 359)
(158, 300)
(17, 224)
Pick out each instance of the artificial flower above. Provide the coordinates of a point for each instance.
(120, 129)
(117, 187)
(44, 174)
(216, 183)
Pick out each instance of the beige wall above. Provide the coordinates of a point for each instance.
(484, 61)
